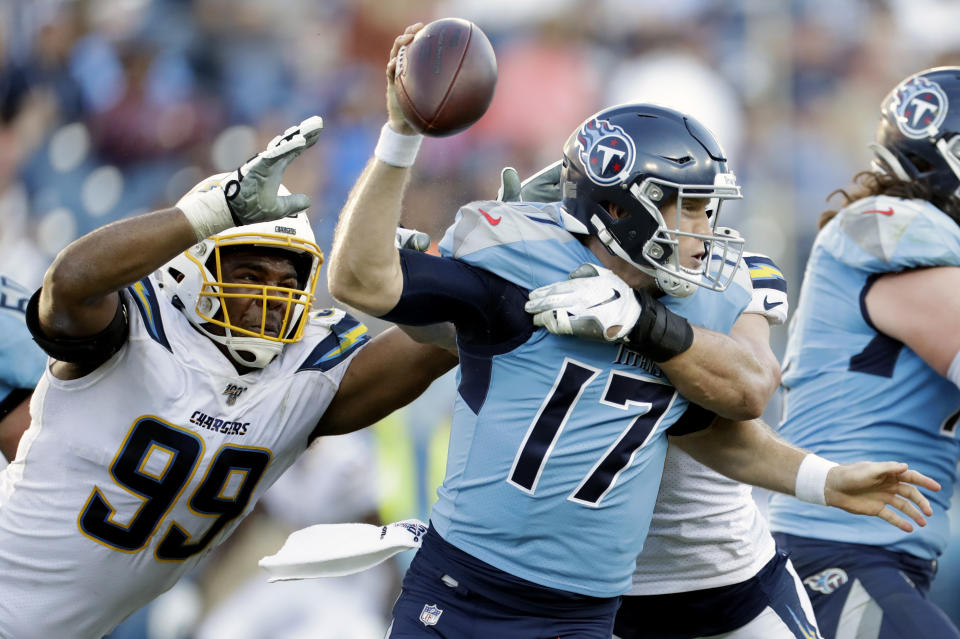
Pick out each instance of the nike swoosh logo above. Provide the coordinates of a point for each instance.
(767, 305)
(493, 221)
(614, 297)
(880, 211)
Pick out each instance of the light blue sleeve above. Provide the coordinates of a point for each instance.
(21, 360)
(883, 234)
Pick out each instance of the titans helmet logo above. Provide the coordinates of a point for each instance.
(920, 107)
(606, 151)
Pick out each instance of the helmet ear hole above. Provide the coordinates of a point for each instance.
(175, 274)
(303, 263)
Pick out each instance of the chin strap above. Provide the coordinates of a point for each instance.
(666, 282)
(674, 286)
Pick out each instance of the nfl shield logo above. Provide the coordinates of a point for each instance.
(430, 615)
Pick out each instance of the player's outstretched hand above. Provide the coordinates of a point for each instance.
(867, 488)
(251, 190)
(249, 194)
(594, 303)
(542, 186)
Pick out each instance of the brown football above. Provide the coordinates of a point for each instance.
(446, 77)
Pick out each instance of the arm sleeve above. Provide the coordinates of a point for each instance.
(485, 308)
(88, 351)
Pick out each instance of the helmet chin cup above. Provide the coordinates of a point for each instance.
(674, 286)
(262, 351)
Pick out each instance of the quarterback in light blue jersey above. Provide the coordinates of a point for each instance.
(21, 364)
(709, 565)
(558, 442)
(873, 366)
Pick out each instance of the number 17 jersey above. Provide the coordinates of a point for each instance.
(557, 443)
(129, 475)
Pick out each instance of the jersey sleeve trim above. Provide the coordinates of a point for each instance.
(695, 418)
(146, 300)
(345, 337)
(871, 280)
(764, 273)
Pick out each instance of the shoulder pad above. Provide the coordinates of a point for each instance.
(522, 242)
(327, 317)
(484, 224)
(344, 335)
(882, 233)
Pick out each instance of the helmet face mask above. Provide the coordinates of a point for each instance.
(918, 138)
(643, 158)
(196, 283)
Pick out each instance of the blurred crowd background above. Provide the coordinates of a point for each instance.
(109, 108)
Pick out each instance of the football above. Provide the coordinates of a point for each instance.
(446, 76)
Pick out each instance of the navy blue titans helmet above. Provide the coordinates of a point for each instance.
(643, 157)
(917, 138)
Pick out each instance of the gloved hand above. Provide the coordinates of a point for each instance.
(412, 239)
(594, 303)
(251, 190)
(250, 193)
(334, 550)
(542, 186)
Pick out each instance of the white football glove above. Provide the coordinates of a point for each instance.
(594, 303)
(411, 239)
(250, 193)
(542, 186)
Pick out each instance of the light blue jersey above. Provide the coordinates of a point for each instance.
(21, 360)
(854, 394)
(557, 445)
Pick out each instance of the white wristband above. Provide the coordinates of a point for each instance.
(207, 211)
(812, 479)
(397, 149)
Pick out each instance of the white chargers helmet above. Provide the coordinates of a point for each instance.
(193, 281)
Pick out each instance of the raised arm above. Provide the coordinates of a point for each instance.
(79, 296)
(364, 270)
(750, 452)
